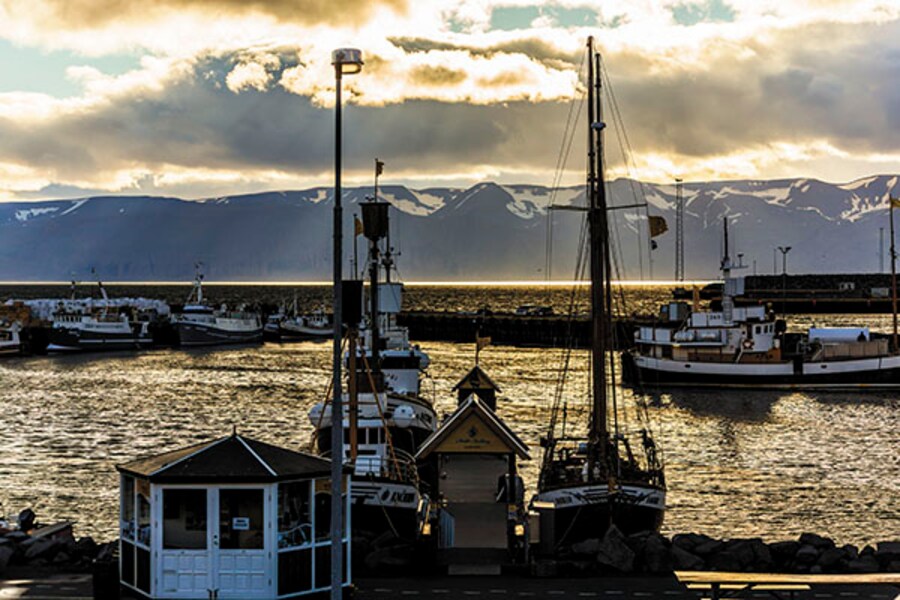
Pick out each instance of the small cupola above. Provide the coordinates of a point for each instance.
(479, 383)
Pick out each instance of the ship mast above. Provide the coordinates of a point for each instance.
(598, 433)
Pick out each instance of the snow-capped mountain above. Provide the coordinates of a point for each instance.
(485, 232)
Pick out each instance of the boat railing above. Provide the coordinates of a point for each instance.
(401, 467)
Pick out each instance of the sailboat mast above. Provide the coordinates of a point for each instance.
(596, 220)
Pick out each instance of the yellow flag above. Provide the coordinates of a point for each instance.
(895, 202)
(481, 342)
(357, 226)
(658, 226)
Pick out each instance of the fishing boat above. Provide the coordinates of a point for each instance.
(84, 325)
(384, 416)
(748, 346)
(284, 326)
(10, 339)
(198, 324)
(592, 476)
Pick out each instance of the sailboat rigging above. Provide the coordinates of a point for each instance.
(590, 482)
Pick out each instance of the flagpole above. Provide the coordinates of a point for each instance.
(355, 246)
(893, 201)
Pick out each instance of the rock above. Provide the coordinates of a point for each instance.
(762, 556)
(614, 552)
(689, 541)
(784, 551)
(590, 546)
(863, 564)
(816, 570)
(61, 558)
(724, 561)
(816, 541)
(831, 558)
(867, 551)
(893, 567)
(17, 536)
(742, 551)
(709, 548)
(86, 547)
(683, 560)
(656, 557)
(806, 555)
(544, 568)
(850, 551)
(40, 548)
(887, 552)
(6, 553)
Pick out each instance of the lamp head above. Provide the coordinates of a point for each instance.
(347, 61)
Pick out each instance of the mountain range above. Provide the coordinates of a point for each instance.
(486, 232)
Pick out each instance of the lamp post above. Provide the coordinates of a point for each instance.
(784, 251)
(346, 61)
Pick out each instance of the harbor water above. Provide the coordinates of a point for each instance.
(738, 463)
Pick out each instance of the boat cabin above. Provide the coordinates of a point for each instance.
(470, 464)
(229, 518)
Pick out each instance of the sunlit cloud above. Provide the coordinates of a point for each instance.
(233, 93)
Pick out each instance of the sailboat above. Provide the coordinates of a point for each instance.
(589, 482)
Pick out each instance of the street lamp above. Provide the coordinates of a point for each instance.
(784, 251)
(346, 61)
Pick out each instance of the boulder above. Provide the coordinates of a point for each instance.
(783, 551)
(816, 541)
(762, 556)
(86, 547)
(6, 553)
(863, 564)
(40, 548)
(807, 555)
(707, 549)
(886, 552)
(685, 561)
(689, 541)
(614, 552)
(831, 558)
(589, 546)
(850, 551)
(742, 551)
(724, 561)
(656, 557)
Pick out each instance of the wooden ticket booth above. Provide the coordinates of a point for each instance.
(470, 464)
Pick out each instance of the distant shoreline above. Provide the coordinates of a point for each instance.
(510, 283)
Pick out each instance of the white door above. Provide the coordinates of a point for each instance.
(185, 544)
(242, 565)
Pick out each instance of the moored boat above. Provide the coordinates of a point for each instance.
(198, 324)
(10, 340)
(591, 476)
(749, 347)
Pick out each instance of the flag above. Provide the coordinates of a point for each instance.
(379, 167)
(481, 342)
(658, 226)
(895, 202)
(357, 226)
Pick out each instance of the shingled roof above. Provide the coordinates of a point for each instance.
(229, 459)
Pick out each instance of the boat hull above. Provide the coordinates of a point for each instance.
(196, 334)
(384, 514)
(62, 339)
(874, 373)
(580, 512)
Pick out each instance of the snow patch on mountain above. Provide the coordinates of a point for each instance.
(406, 205)
(432, 201)
(527, 202)
(75, 206)
(23, 215)
(855, 185)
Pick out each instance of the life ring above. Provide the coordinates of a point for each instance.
(747, 344)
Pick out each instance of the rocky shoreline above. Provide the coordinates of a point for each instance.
(56, 548)
(653, 553)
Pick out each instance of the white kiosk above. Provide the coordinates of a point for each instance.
(231, 518)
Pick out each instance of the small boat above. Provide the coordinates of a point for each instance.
(747, 346)
(198, 324)
(285, 327)
(10, 340)
(85, 325)
(592, 477)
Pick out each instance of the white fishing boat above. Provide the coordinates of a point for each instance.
(10, 340)
(198, 324)
(750, 347)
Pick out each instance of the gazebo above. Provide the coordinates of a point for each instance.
(230, 518)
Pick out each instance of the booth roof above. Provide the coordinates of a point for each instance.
(229, 459)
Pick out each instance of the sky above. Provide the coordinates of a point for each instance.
(202, 98)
